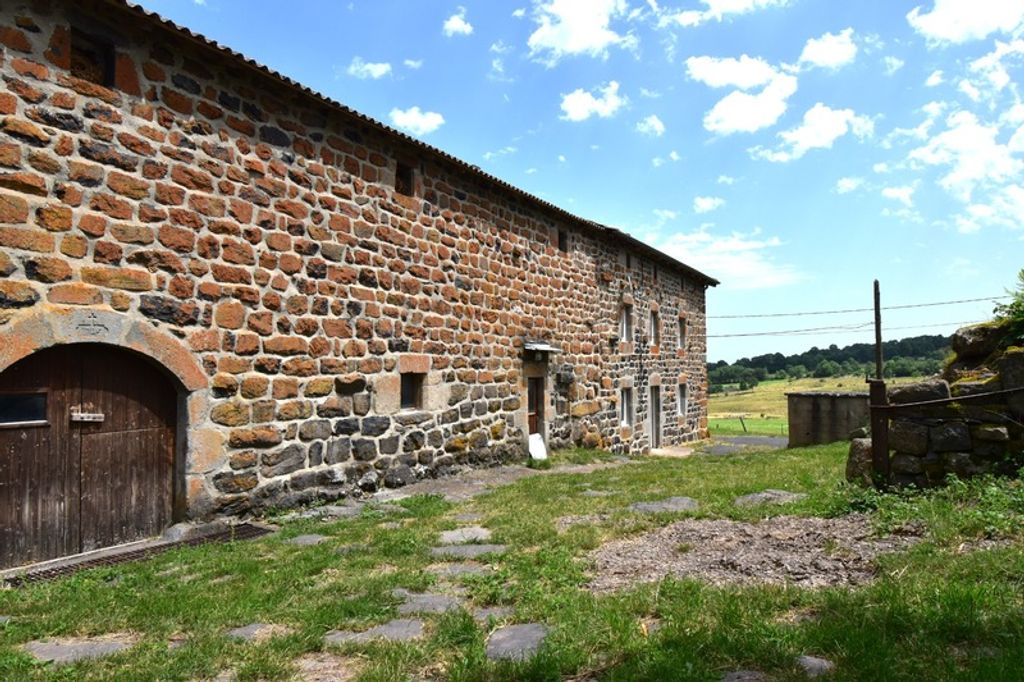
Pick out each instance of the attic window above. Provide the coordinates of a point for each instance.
(405, 179)
(92, 58)
(563, 240)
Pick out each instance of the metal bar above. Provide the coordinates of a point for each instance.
(879, 431)
(947, 401)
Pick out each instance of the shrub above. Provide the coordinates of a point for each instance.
(1012, 313)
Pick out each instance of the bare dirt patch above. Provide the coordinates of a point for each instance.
(326, 667)
(802, 551)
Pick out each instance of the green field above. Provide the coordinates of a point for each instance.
(768, 399)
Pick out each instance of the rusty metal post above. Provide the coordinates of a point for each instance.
(879, 430)
(878, 400)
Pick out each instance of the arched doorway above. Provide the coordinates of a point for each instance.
(87, 451)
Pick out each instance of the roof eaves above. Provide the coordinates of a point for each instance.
(383, 127)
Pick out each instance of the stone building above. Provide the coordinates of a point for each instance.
(221, 291)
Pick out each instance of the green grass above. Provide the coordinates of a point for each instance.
(732, 426)
(935, 612)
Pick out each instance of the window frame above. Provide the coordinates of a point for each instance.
(627, 413)
(654, 327)
(405, 178)
(413, 382)
(626, 322)
(682, 398)
(29, 423)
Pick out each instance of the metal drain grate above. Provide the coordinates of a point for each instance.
(242, 531)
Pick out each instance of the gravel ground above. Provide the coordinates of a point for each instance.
(804, 551)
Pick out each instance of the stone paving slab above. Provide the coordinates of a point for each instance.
(73, 649)
(467, 551)
(399, 630)
(425, 602)
(307, 540)
(516, 642)
(257, 632)
(482, 615)
(769, 496)
(4, 620)
(326, 667)
(459, 569)
(672, 504)
(461, 536)
(745, 676)
(468, 517)
(815, 667)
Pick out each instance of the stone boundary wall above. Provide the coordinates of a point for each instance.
(258, 231)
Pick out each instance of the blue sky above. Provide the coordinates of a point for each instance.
(794, 149)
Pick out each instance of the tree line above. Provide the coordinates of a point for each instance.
(914, 356)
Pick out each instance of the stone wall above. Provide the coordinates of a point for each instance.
(255, 231)
(983, 433)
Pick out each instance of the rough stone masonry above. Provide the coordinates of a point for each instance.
(343, 307)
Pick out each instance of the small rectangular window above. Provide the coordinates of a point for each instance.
(92, 59)
(22, 409)
(655, 329)
(626, 323)
(405, 179)
(654, 267)
(682, 333)
(626, 407)
(412, 391)
(563, 241)
(682, 400)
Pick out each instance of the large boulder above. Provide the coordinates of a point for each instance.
(930, 389)
(977, 341)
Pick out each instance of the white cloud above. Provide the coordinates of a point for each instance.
(574, 27)
(497, 72)
(741, 261)
(743, 73)
(991, 70)
(652, 126)
(847, 185)
(831, 50)
(707, 204)
(530, 171)
(958, 21)
(664, 214)
(456, 24)
(881, 168)
(413, 63)
(741, 112)
(821, 127)
(892, 65)
(974, 157)
(416, 121)
(658, 161)
(903, 194)
(519, 13)
(932, 112)
(936, 78)
(504, 151)
(967, 87)
(360, 69)
(561, 158)
(716, 10)
(726, 180)
(579, 105)
(650, 94)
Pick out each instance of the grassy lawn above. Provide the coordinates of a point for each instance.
(768, 398)
(762, 426)
(937, 611)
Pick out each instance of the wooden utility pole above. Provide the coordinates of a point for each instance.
(878, 332)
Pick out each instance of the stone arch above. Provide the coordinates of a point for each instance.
(59, 326)
(200, 447)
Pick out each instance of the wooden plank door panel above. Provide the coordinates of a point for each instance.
(128, 458)
(39, 464)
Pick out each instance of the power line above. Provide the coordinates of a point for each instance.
(855, 310)
(818, 331)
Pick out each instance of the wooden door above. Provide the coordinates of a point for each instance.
(69, 485)
(655, 408)
(535, 404)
